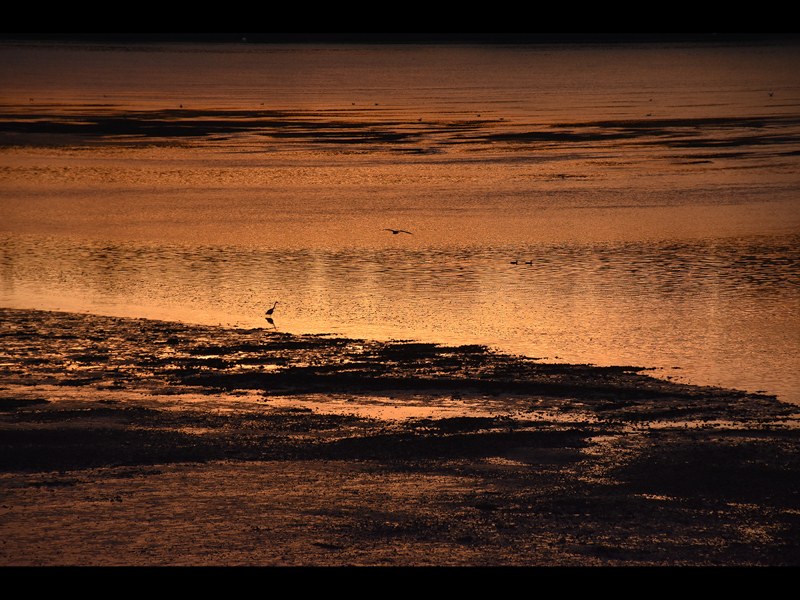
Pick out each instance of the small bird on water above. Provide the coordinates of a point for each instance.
(396, 231)
(271, 310)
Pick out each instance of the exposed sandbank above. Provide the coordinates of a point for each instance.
(140, 442)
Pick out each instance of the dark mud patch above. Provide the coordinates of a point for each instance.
(12, 404)
(371, 128)
(205, 445)
(104, 124)
(720, 466)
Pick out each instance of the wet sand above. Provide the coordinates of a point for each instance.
(134, 442)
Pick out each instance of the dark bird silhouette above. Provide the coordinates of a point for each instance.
(514, 262)
(271, 310)
(396, 231)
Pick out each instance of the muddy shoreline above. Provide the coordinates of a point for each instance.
(367, 127)
(134, 442)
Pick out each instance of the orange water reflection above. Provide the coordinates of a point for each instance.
(660, 227)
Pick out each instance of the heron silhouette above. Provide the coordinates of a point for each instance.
(396, 231)
(271, 310)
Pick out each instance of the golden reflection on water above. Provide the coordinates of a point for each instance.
(704, 307)
(661, 227)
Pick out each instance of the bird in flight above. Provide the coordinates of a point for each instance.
(396, 231)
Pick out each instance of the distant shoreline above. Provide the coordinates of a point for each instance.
(405, 38)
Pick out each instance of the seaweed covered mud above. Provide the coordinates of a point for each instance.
(136, 442)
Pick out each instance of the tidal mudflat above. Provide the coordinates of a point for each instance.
(604, 250)
(138, 442)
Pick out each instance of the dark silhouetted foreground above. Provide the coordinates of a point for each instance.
(133, 442)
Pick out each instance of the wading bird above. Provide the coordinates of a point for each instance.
(271, 310)
(396, 231)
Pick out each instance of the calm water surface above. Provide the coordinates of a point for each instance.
(666, 242)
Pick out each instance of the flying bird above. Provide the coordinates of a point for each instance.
(271, 310)
(396, 231)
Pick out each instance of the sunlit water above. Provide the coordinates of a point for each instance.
(681, 258)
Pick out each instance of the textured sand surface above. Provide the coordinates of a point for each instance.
(133, 442)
